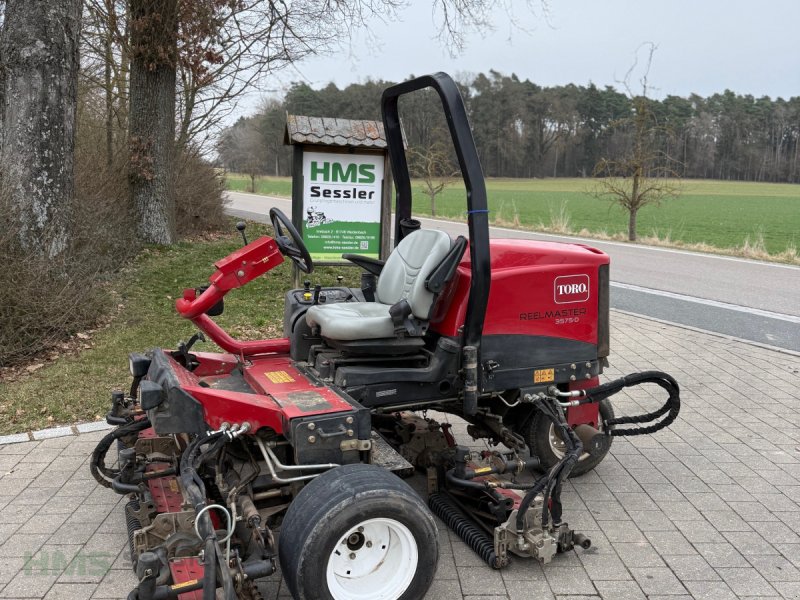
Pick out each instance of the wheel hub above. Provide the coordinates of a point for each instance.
(376, 559)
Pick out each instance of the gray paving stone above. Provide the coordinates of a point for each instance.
(691, 568)
(775, 568)
(29, 585)
(480, 581)
(569, 581)
(721, 555)
(658, 580)
(669, 542)
(619, 590)
(637, 554)
(446, 588)
(750, 543)
(21, 544)
(710, 590)
(71, 591)
(526, 590)
(746, 582)
(788, 589)
(116, 584)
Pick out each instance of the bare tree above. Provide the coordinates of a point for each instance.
(643, 175)
(38, 91)
(213, 51)
(435, 167)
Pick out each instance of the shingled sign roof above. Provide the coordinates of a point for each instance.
(326, 131)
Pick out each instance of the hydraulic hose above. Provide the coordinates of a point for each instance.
(550, 483)
(102, 474)
(191, 460)
(670, 408)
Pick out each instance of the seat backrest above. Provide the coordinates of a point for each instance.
(409, 265)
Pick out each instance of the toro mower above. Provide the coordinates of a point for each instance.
(310, 435)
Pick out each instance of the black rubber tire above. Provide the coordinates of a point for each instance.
(537, 437)
(338, 500)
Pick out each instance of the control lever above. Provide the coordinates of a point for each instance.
(194, 339)
(241, 227)
(317, 290)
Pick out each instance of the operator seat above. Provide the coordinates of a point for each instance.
(403, 300)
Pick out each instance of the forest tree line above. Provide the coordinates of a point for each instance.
(522, 129)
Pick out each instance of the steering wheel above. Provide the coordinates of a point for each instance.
(289, 241)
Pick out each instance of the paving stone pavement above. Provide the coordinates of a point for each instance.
(708, 509)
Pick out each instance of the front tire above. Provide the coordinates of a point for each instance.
(358, 532)
(544, 443)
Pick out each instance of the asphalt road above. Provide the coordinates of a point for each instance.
(752, 300)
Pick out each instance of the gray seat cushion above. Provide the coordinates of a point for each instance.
(403, 277)
(352, 320)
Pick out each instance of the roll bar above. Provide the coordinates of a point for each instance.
(471, 172)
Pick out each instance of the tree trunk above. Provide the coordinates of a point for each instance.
(632, 225)
(633, 208)
(38, 92)
(152, 118)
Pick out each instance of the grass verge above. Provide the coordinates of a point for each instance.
(76, 386)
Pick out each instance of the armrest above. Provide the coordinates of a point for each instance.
(371, 265)
(444, 271)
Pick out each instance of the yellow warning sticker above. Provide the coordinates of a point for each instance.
(483, 470)
(183, 584)
(279, 377)
(544, 375)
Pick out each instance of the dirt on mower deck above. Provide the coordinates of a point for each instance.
(708, 508)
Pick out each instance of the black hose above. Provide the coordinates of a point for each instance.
(102, 474)
(671, 407)
(191, 459)
(473, 537)
(550, 483)
(209, 574)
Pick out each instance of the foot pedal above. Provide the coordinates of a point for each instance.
(387, 457)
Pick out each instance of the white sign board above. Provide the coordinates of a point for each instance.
(342, 204)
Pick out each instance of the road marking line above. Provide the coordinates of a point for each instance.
(715, 303)
(709, 332)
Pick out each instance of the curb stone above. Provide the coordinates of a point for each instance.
(54, 432)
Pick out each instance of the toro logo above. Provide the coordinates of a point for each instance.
(571, 288)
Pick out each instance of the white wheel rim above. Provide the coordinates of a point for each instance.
(375, 559)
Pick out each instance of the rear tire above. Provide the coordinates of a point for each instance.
(358, 532)
(544, 444)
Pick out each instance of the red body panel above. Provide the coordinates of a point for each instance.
(524, 298)
(187, 570)
(281, 392)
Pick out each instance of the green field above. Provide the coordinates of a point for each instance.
(720, 214)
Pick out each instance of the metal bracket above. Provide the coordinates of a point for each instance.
(360, 445)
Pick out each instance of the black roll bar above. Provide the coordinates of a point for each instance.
(472, 173)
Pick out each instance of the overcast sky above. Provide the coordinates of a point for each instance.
(704, 46)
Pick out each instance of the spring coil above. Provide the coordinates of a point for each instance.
(133, 526)
(473, 537)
